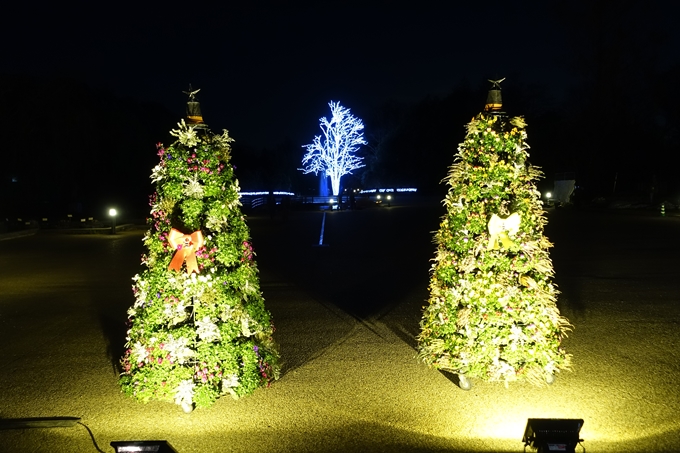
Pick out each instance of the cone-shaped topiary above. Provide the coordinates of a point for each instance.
(198, 328)
(492, 307)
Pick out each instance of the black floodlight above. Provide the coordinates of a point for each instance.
(151, 446)
(553, 434)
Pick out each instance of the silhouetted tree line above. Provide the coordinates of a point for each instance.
(414, 144)
(616, 129)
(614, 125)
(269, 169)
(619, 121)
(69, 149)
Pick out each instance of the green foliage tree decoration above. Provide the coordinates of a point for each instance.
(198, 328)
(492, 311)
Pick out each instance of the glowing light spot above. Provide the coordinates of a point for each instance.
(334, 156)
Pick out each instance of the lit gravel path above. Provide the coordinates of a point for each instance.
(346, 318)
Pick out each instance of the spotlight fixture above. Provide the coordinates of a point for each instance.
(553, 434)
(151, 446)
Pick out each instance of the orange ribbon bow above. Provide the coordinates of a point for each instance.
(186, 246)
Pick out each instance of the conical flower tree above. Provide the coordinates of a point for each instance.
(492, 309)
(198, 328)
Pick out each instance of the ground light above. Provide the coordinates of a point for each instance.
(323, 226)
(156, 446)
(112, 213)
(553, 434)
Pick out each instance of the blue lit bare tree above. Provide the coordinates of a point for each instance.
(333, 155)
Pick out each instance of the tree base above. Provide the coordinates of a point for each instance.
(464, 383)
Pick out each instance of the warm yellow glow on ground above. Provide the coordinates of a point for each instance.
(349, 385)
(365, 382)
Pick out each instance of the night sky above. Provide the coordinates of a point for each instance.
(267, 69)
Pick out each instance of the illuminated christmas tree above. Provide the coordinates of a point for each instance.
(198, 328)
(492, 310)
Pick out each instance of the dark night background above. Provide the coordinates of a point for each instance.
(87, 91)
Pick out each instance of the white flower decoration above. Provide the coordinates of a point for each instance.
(186, 134)
(193, 188)
(229, 384)
(518, 121)
(175, 312)
(227, 313)
(138, 352)
(207, 330)
(184, 393)
(178, 349)
(158, 173)
(230, 381)
(516, 336)
(473, 126)
(245, 329)
(223, 141)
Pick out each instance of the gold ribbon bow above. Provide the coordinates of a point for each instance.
(502, 229)
(186, 246)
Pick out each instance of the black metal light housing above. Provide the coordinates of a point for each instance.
(553, 434)
(151, 446)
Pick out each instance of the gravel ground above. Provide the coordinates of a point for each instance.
(347, 315)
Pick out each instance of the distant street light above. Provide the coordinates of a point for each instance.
(112, 213)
